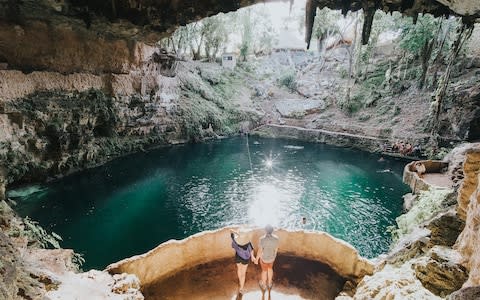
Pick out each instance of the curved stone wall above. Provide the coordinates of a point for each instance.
(416, 183)
(173, 256)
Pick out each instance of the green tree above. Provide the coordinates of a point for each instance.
(216, 33)
(257, 32)
(325, 26)
(382, 22)
(247, 33)
(427, 36)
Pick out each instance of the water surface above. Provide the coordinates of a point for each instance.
(132, 204)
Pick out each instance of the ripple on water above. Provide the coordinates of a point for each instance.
(132, 204)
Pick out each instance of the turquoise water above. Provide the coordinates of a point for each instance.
(132, 204)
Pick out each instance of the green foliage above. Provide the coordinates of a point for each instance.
(429, 203)
(288, 80)
(364, 117)
(210, 35)
(325, 24)
(37, 235)
(414, 36)
(215, 34)
(257, 32)
(263, 31)
(353, 104)
(208, 109)
(396, 110)
(78, 260)
(436, 154)
(343, 72)
(381, 23)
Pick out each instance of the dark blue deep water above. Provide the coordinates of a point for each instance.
(132, 204)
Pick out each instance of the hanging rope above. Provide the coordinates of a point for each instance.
(249, 156)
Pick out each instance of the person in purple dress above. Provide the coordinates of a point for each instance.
(243, 255)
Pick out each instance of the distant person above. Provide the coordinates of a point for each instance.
(243, 254)
(408, 149)
(420, 169)
(417, 150)
(304, 220)
(267, 253)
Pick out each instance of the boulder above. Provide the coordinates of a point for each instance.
(468, 293)
(440, 271)
(445, 228)
(410, 246)
(125, 283)
(393, 283)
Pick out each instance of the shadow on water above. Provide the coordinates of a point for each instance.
(294, 278)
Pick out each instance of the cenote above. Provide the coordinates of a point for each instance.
(134, 203)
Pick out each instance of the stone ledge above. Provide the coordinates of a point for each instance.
(417, 183)
(173, 256)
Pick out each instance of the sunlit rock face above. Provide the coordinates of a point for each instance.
(423, 265)
(440, 271)
(393, 282)
(468, 243)
(174, 256)
(431, 276)
(470, 167)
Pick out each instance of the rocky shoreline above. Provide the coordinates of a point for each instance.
(340, 139)
(79, 86)
(434, 257)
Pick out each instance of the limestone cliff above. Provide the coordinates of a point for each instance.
(468, 243)
(53, 124)
(440, 257)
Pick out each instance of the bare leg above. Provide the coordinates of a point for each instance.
(264, 277)
(241, 272)
(270, 277)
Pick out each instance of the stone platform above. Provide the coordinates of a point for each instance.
(295, 279)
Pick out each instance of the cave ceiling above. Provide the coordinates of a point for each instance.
(149, 20)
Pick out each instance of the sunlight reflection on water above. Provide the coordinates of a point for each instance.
(179, 191)
(271, 203)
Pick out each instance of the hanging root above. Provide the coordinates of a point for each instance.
(310, 13)
(369, 13)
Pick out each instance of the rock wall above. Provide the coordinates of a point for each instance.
(341, 139)
(470, 162)
(441, 255)
(468, 243)
(67, 47)
(174, 256)
(53, 124)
